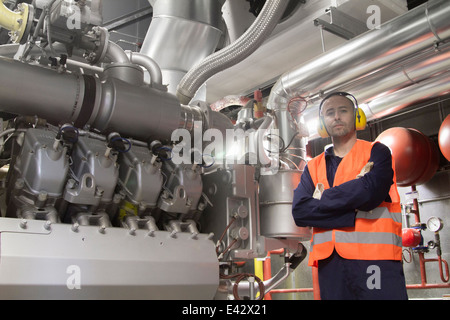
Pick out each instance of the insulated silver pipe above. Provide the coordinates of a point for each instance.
(136, 111)
(429, 89)
(235, 52)
(31, 90)
(182, 34)
(402, 37)
(387, 104)
(419, 68)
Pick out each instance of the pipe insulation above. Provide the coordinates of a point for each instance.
(134, 111)
(402, 37)
(243, 47)
(182, 34)
(413, 72)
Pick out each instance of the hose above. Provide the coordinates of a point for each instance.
(235, 52)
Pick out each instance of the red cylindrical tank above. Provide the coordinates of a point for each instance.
(433, 163)
(444, 138)
(416, 156)
(411, 237)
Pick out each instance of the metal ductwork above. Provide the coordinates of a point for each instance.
(364, 57)
(179, 37)
(428, 89)
(263, 26)
(378, 94)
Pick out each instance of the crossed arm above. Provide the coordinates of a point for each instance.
(337, 205)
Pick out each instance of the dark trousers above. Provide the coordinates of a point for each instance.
(343, 279)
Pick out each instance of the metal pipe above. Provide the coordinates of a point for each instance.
(200, 23)
(116, 54)
(390, 103)
(235, 52)
(83, 65)
(134, 111)
(31, 90)
(370, 52)
(428, 286)
(269, 284)
(422, 260)
(384, 83)
(149, 64)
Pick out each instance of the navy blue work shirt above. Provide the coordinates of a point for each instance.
(338, 205)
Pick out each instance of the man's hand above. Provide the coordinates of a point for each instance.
(365, 170)
(318, 192)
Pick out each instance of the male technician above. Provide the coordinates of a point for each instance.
(349, 196)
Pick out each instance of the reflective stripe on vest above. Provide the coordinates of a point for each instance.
(358, 237)
(364, 237)
(380, 213)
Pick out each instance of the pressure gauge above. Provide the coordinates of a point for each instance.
(434, 224)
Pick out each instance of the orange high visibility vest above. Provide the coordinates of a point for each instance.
(377, 235)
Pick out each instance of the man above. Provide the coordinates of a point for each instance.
(349, 196)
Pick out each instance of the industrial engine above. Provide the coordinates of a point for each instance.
(119, 182)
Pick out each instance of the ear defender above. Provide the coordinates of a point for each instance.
(321, 129)
(360, 120)
(360, 116)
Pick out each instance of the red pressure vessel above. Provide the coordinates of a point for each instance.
(444, 138)
(415, 155)
(411, 237)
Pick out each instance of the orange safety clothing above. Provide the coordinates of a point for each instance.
(377, 235)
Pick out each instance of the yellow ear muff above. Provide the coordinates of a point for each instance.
(360, 116)
(321, 130)
(360, 120)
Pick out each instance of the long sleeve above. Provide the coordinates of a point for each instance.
(338, 205)
(306, 210)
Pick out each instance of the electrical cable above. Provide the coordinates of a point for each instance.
(290, 142)
(233, 219)
(165, 149)
(126, 142)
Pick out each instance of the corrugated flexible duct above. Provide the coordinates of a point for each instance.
(395, 41)
(235, 52)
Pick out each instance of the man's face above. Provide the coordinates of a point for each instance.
(339, 116)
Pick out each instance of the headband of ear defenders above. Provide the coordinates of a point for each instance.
(360, 116)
